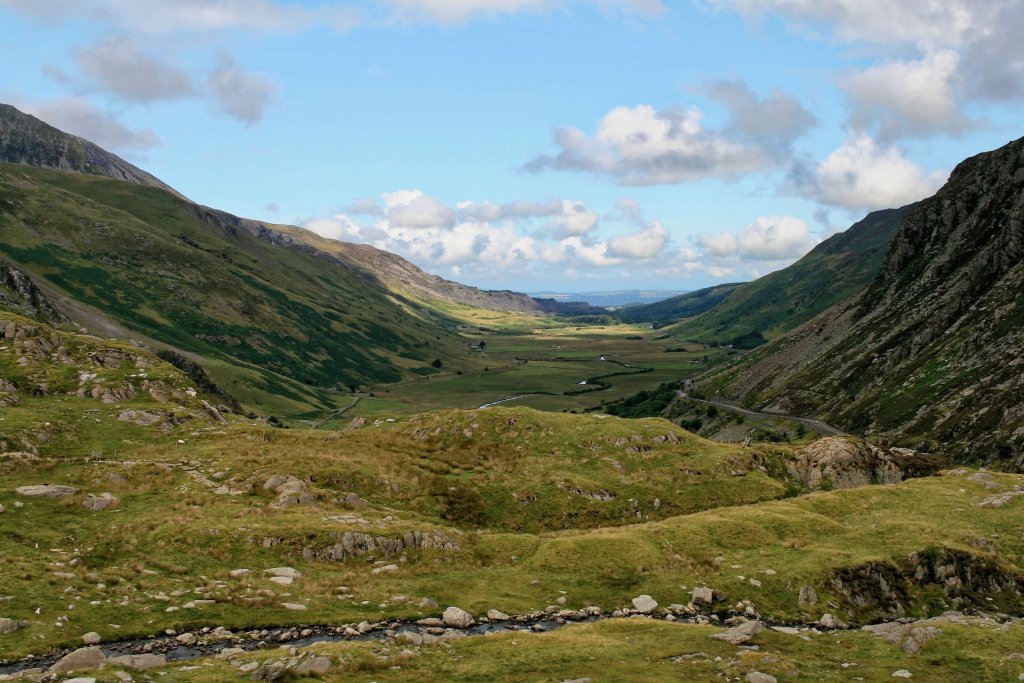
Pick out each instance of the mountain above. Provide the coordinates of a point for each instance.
(615, 298)
(682, 306)
(758, 311)
(25, 139)
(932, 352)
(407, 280)
(280, 324)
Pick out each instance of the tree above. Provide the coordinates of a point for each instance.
(437, 363)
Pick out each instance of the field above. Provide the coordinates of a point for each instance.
(180, 518)
(543, 369)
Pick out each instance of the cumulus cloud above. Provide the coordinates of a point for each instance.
(171, 16)
(861, 175)
(119, 67)
(768, 238)
(575, 220)
(993, 64)
(481, 236)
(642, 146)
(77, 116)
(460, 11)
(645, 244)
(238, 93)
(775, 121)
(907, 98)
(414, 209)
(924, 23)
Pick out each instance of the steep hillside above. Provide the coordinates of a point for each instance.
(25, 139)
(763, 309)
(932, 350)
(405, 279)
(279, 323)
(678, 307)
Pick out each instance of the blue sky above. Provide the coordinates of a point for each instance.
(564, 145)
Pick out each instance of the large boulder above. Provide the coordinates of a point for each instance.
(290, 490)
(10, 625)
(98, 503)
(46, 491)
(738, 635)
(841, 463)
(644, 604)
(80, 659)
(457, 618)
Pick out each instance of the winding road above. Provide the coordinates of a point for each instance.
(818, 425)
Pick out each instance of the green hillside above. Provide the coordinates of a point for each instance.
(279, 327)
(678, 307)
(837, 268)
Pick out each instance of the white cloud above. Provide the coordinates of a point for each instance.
(775, 121)
(863, 175)
(119, 67)
(414, 209)
(718, 245)
(642, 146)
(775, 238)
(77, 116)
(924, 23)
(907, 98)
(645, 244)
(486, 238)
(768, 238)
(238, 93)
(171, 16)
(575, 220)
(461, 11)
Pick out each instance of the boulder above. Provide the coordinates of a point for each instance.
(288, 572)
(10, 625)
(457, 618)
(842, 463)
(497, 615)
(702, 595)
(98, 503)
(644, 604)
(738, 635)
(82, 658)
(46, 491)
(758, 677)
(314, 666)
(91, 638)
(808, 596)
(293, 606)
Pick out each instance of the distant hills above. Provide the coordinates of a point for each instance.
(931, 352)
(279, 316)
(746, 315)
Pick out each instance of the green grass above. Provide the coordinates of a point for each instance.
(765, 308)
(627, 650)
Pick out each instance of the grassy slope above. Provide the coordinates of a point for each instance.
(173, 530)
(629, 650)
(834, 270)
(277, 325)
(677, 307)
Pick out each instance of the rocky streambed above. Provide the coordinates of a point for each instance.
(148, 652)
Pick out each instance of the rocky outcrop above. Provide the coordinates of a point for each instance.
(354, 543)
(932, 351)
(24, 139)
(877, 591)
(19, 294)
(841, 463)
